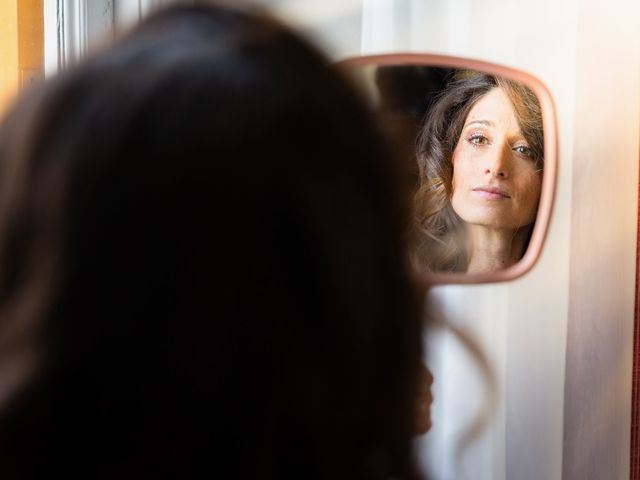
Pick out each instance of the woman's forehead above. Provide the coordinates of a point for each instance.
(494, 110)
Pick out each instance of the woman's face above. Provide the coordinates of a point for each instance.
(495, 180)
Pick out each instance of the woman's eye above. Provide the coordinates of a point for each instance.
(523, 150)
(478, 139)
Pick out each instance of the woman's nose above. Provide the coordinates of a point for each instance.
(498, 162)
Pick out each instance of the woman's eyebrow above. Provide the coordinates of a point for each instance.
(487, 123)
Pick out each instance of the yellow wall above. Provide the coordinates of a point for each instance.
(21, 46)
(9, 70)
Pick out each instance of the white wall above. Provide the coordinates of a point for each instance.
(603, 225)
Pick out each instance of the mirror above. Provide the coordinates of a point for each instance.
(481, 151)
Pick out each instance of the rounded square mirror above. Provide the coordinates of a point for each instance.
(482, 155)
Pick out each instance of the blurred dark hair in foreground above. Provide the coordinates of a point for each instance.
(202, 265)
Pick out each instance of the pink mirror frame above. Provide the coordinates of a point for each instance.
(549, 178)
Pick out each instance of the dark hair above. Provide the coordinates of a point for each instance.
(202, 266)
(437, 229)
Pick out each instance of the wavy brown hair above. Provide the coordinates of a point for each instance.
(436, 231)
(203, 270)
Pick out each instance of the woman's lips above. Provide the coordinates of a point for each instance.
(491, 193)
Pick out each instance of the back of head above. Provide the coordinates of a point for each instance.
(201, 265)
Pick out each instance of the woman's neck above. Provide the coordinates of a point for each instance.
(489, 249)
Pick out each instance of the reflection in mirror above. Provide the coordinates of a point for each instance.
(478, 155)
